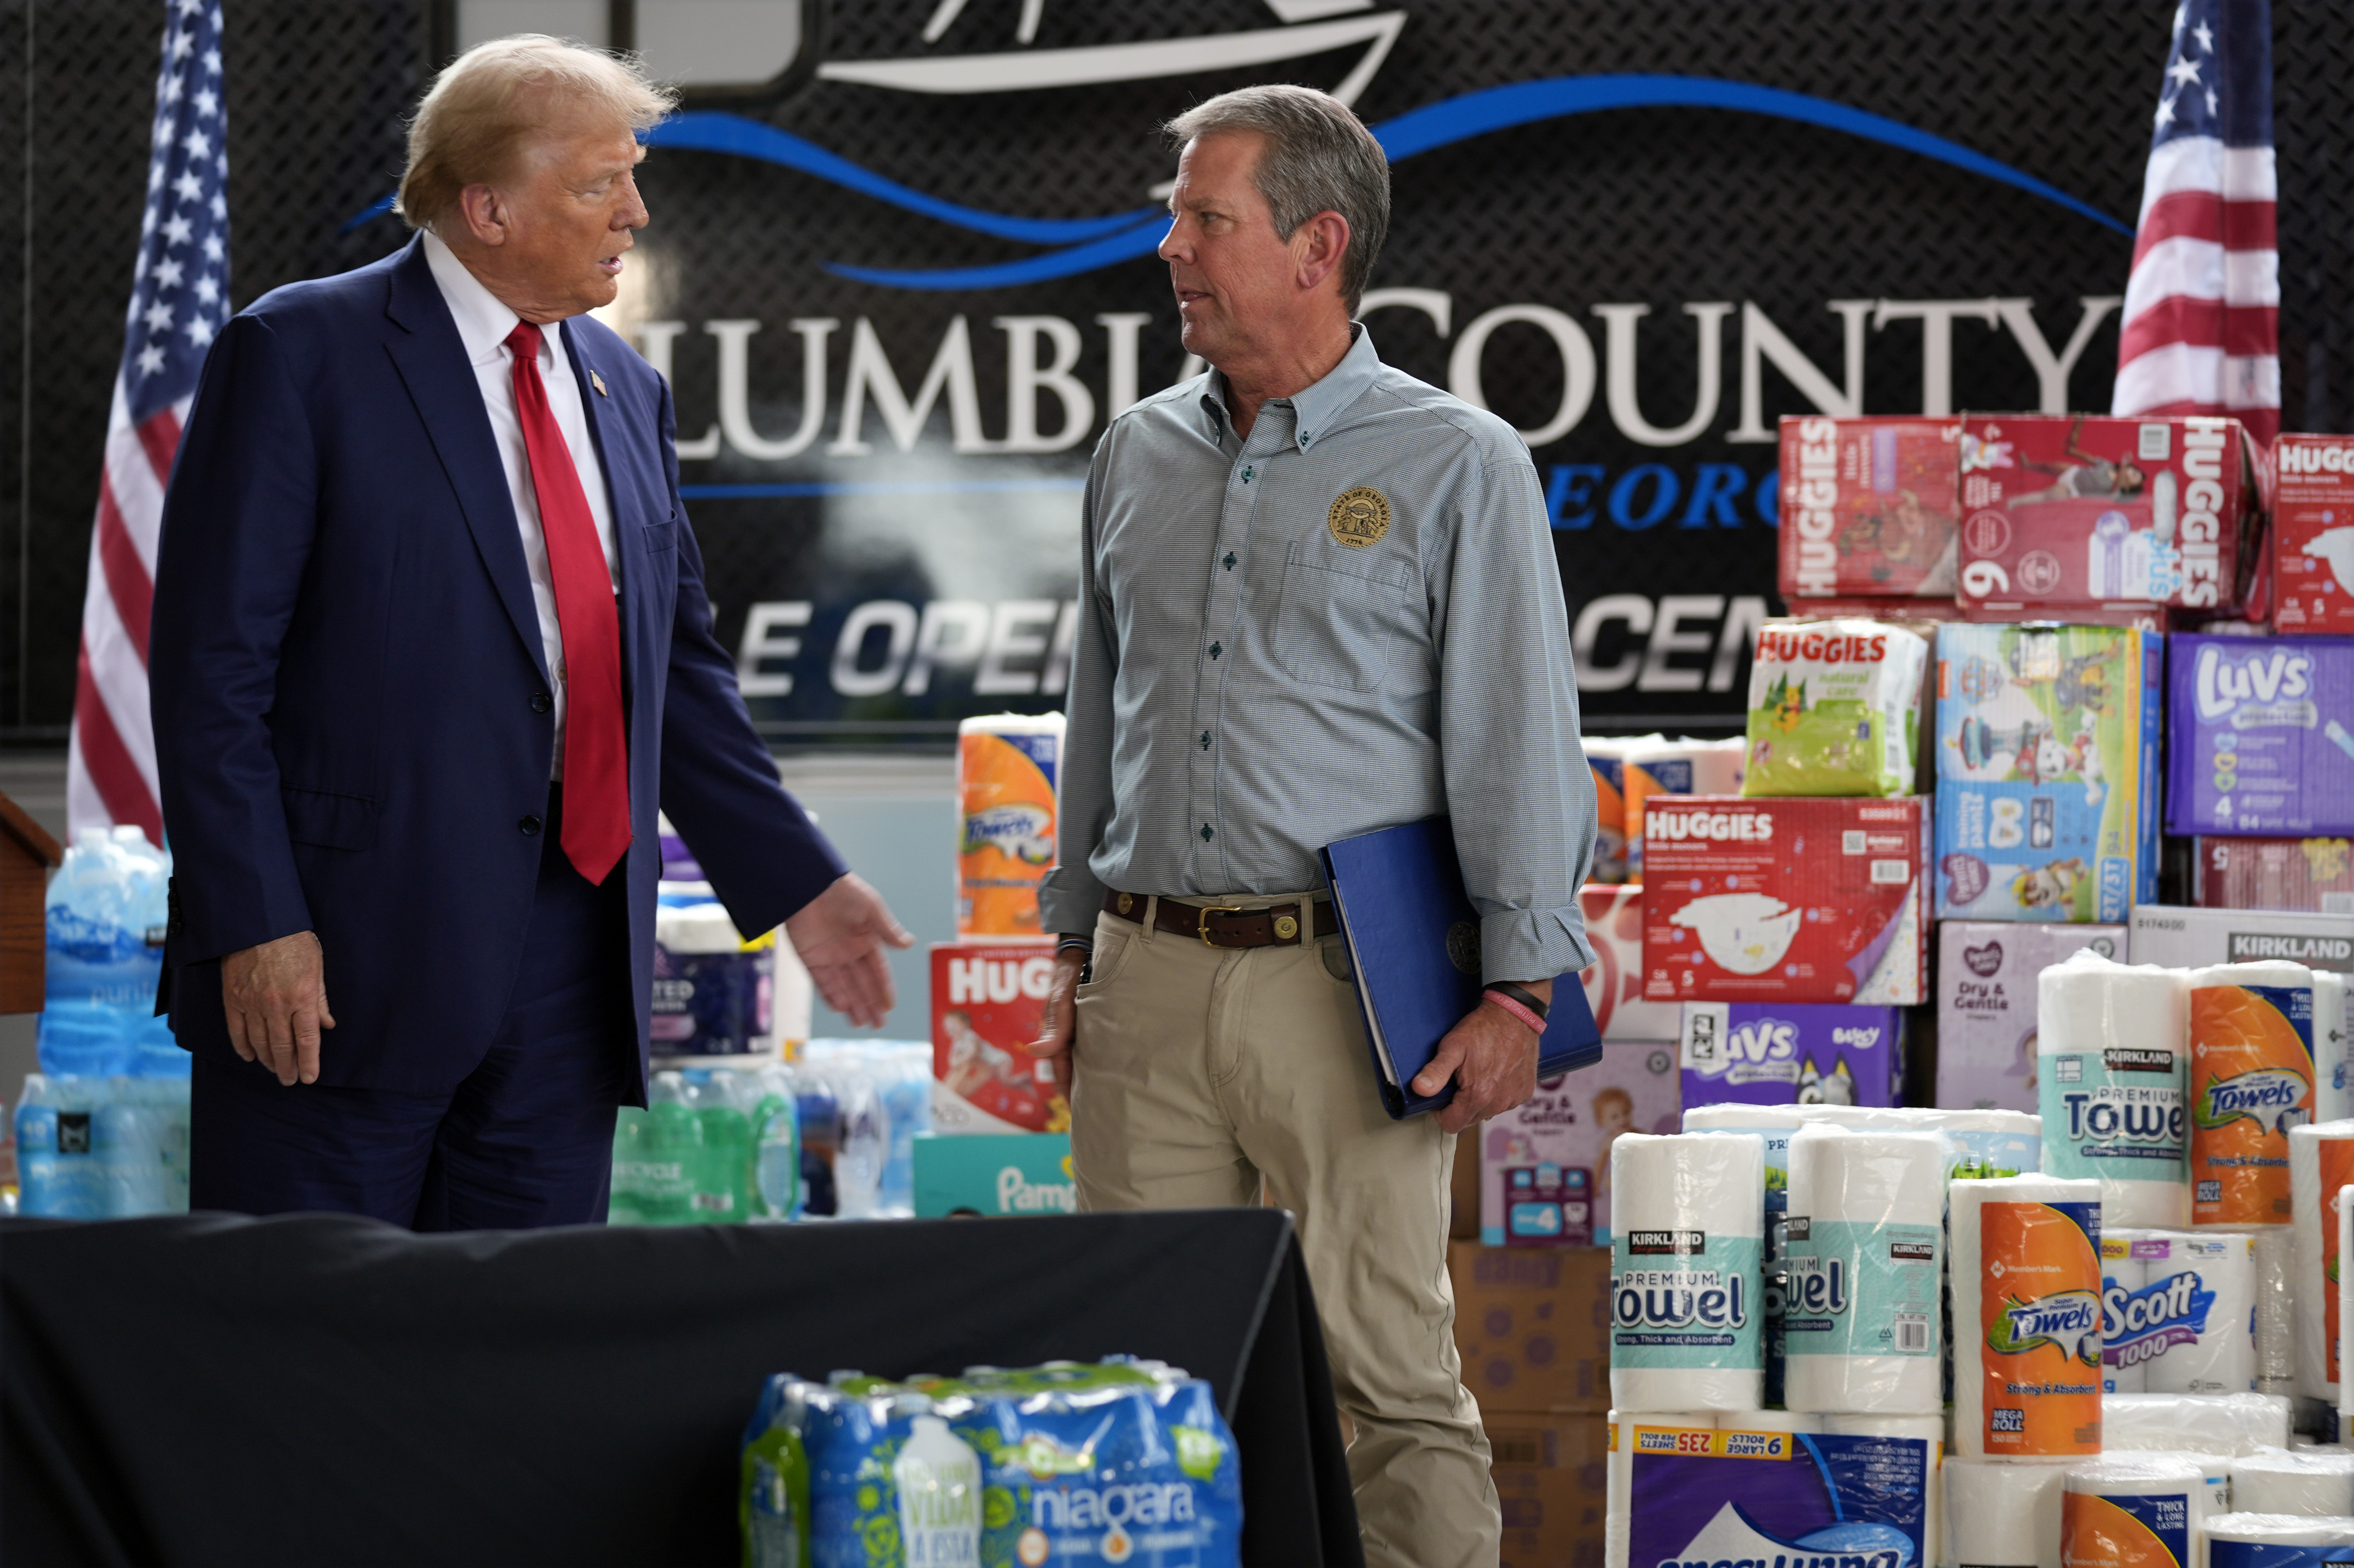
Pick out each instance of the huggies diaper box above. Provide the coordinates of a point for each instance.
(1544, 1167)
(988, 999)
(1985, 1005)
(2313, 534)
(2263, 737)
(1786, 900)
(1869, 507)
(2047, 771)
(2063, 509)
(2272, 873)
(1787, 1054)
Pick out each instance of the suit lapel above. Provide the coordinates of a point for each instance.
(441, 385)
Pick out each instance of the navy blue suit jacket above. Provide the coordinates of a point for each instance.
(349, 688)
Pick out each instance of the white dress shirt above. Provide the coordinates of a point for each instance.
(484, 323)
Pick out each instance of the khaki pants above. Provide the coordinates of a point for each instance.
(1197, 1071)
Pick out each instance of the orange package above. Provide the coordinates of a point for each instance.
(2144, 1520)
(2032, 1246)
(1007, 765)
(2252, 1080)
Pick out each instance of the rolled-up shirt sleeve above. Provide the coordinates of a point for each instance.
(1070, 897)
(1517, 789)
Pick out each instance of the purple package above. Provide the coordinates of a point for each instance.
(2261, 735)
(1813, 1499)
(1782, 1053)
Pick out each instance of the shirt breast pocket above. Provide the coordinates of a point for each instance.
(1340, 618)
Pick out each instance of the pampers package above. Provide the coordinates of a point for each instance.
(1792, 900)
(1805, 1054)
(2069, 509)
(1061, 1465)
(1986, 1005)
(1870, 506)
(2047, 771)
(2263, 735)
(1545, 1166)
(1834, 708)
(2313, 534)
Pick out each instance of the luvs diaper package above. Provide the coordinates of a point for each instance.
(1806, 1053)
(2047, 771)
(1833, 708)
(1122, 1462)
(2262, 736)
(1793, 900)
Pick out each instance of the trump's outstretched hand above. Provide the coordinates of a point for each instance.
(275, 997)
(841, 935)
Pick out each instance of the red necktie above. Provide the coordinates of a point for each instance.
(596, 750)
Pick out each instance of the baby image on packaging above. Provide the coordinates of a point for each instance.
(1544, 1168)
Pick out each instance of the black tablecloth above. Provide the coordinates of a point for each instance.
(319, 1389)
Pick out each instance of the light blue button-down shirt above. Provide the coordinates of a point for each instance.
(1350, 619)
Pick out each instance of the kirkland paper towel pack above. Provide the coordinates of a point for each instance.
(2320, 1163)
(2110, 1069)
(2004, 1513)
(2308, 1485)
(1686, 1247)
(2178, 1310)
(1986, 1004)
(2231, 1423)
(2129, 1510)
(1859, 1324)
(2239, 1540)
(2026, 1316)
(2252, 1065)
(1771, 1126)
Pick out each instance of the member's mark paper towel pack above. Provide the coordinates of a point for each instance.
(2027, 1317)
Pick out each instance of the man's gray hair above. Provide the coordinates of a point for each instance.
(1319, 157)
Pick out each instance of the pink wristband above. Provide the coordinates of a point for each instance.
(1515, 1008)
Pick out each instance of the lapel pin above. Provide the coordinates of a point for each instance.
(599, 382)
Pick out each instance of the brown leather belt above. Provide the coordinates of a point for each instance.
(1227, 924)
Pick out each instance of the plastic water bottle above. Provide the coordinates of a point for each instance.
(723, 1194)
(777, 1146)
(57, 1160)
(937, 1476)
(105, 914)
(864, 1149)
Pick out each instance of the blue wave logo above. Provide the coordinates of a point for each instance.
(1090, 244)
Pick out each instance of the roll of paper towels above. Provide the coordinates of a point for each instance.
(2123, 1275)
(1667, 1431)
(2276, 1541)
(2185, 1326)
(2252, 1043)
(2308, 1485)
(2275, 1308)
(1771, 1125)
(1767, 1421)
(2003, 1513)
(1990, 1142)
(2111, 1047)
(2344, 1291)
(1686, 1250)
(2026, 1317)
(2124, 1510)
(2208, 1423)
(2333, 1097)
(1866, 1242)
(2320, 1163)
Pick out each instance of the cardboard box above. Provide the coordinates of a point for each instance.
(994, 1173)
(1785, 1054)
(987, 1000)
(1869, 506)
(2315, 875)
(2181, 938)
(2047, 771)
(1790, 900)
(1532, 1325)
(1985, 1005)
(1551, 1477)
(2313, 534)
(1614, 985)
(2072, 509)
(2262, 737)
(1544, 1167)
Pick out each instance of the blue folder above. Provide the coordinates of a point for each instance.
(1413, 942)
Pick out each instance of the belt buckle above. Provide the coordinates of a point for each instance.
(1201, 927)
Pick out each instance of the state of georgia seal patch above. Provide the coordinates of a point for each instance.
(1359, 517)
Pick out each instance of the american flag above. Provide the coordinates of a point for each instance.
(2201, 326)
(180, 300)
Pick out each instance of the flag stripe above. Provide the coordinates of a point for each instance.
(2209, 323)
(126, 574)
(160, 434)
(2200, 269)
(2185, 378)
(2204, 164)
(2203, 215)
(108, 762)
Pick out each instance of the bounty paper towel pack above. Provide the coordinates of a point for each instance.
(1788, 900)
(2111, 1052)
(1792, 1052)
(1008, 770)
(2026, 1317)
(1687, 1241)
(2263, 735)
(1869, 506)
(1862, 1263)
(2252, 1080)
(1834, 708)
(1986, 1004)
(2313, 534)
(2047, 771)
(2320, 1165)
(2177, 1311)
